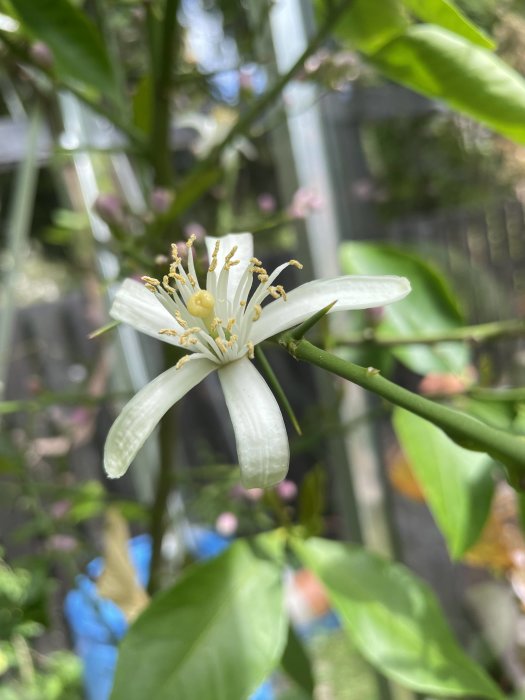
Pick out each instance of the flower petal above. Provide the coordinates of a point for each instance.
(351, 292)
(138, 307)
(244, 243)
(139, 416)
(260, 434)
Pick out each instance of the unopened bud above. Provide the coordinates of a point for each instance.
(109, 208)
(41, 55)
(195, 229)
(160, 200)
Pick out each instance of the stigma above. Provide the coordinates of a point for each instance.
(201, 304)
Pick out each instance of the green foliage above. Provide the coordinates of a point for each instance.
(312, 501)
(218, 633)
(77, 47)
(296, 663)
(470, 79)
(446, 14)
(429, 307)
(394, 620)
(457, 483)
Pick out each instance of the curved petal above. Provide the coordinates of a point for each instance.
(138, 307)
(260, 434)
(244, 243)
(351, 292)
(139, 416)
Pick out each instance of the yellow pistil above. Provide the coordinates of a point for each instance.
(201, 304)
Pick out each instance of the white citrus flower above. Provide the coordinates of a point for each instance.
(220, 326)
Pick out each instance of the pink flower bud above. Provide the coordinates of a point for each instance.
(227, 524)
(110, 209)
(41, 55)
(287, 490)
(62, 543)
(266, 203)
(304, 202)
(160, 200)
(195, 229)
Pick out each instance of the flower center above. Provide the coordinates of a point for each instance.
(201, 304)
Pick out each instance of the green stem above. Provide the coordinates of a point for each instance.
(161, 112)
(18, 227)
(195, 184)
(467, 431)
(471, 334)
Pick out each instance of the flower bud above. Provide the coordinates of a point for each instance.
(227, 524)
(110, 209)
(160, 200)
(41, 55)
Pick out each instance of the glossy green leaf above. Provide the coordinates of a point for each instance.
(457, 483)
(77, 46)
(370, 24)
(429, 308)
(446, 14)
(470, 79)
(296, 663)
(394, 620)
(217, 633)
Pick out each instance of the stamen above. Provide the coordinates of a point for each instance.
(192, 280)
(242, 302)
(182, 361)
(231, 263)
(280, 289)
(222, 347)
(213, 263)
(201, 304)
(251, 350)
(175, 254)
(150, 287)
(256, 261)
(272, 291)
(231, 254)
(215, 324)
(166, 285)
(230, 325)
(263, 278)
(296, 263)
(231, 342)
(191, 240)
(179, 318)
(257, 311)
(151, 280)
(169, 331)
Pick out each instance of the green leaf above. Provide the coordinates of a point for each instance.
(312, 501)
(457, 483)
(370, 24)
(296, 663)
(470, 79)
(77, 46)
(142, 103)
(394, 620)
(447, 15)
(430, 307)
(217, 633)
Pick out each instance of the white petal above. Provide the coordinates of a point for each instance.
(139, 416)
(244, 243)
(350, 292)
(138, 307)
(260, 434)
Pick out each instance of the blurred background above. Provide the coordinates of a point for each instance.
(346, 172)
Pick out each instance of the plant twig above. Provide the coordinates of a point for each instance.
(464, 429)
(471, 334)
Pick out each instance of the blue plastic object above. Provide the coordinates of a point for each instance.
(97, 624)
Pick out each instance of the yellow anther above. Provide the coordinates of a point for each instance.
(231, 254)
(191, 240)
(166, 285)
(201, 304)
(215, 324)
(168, 331)
(242, 302)
(296, 264)
(175, 254)
(213, 263)
(262, 278)
(280, 290)
(230, 325)
(179, 318)
(231, 263)
(257, 311)
(251, 349)
(151, 287)
(231, 342)
(273, 292)
(192, 280)
(151, 280)
(256, 261)
(259, 270)
(221, 346)
(182, 361)
(176, 276)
